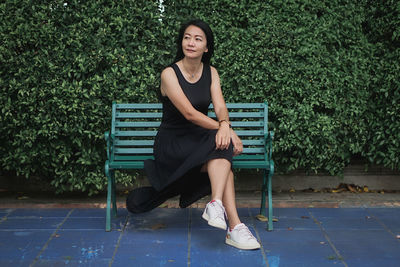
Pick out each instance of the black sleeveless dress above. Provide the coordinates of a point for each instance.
(181, 147)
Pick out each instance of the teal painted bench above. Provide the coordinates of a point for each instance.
(134, 126)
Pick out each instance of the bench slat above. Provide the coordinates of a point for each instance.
(118, 142)
(136, 133)
(133, 142)
(133, 158)
(133, 150)
(251, 164)
(132, 124)
(240, 114)
(140, 106)
(250, 133)
(132, 115)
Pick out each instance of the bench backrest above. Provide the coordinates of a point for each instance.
(134, 127)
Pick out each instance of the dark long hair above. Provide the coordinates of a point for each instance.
(209, 36)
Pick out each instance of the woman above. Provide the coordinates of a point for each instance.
(193, 151)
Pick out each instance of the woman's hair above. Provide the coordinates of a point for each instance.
(209, 36)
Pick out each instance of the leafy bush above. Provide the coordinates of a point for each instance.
(329, 70)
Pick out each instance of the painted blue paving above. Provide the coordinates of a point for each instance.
(180, 237)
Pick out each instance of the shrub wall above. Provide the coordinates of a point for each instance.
(329, 70)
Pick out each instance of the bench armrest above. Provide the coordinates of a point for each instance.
(270, 138)
(109, 140)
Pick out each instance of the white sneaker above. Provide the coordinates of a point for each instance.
(241, 237)
(214, 213)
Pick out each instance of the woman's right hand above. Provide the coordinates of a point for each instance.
(237, 144)
(223, 136)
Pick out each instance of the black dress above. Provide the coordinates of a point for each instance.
(181, 148)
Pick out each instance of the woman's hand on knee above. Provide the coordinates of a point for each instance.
(223, 137)
(237, 143)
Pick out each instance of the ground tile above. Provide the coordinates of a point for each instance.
(92, 223)
(298, 248)
(390, 217)
(18, 246)
(345, 218)
(160, 218)
(366, 247)
(165, 246)
(39, 213)
(208, 248)
(25, 224)
(83, 247)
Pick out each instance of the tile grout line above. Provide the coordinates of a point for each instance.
(328, 239)
(189, 237)
(258, 237)
(50, 238)
(383, 225)
(119, 241)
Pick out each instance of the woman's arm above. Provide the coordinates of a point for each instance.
(222, 112)
(170, 87)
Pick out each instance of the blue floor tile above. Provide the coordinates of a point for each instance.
(346, 219)
(55, 213)
(389, 217)
(208, 248)
(22, 245)
(145, 247)
(297, 248)
(26, 223)
(92, 223)
(159, 218)
(82, 247)
(366, 247)
(291, 219)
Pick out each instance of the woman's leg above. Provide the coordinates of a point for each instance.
(218, 171)
(223, 188)
(229, 202)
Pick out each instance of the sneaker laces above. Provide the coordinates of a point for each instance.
(244, 231)
(220, 210)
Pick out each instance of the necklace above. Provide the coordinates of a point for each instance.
(190, 74)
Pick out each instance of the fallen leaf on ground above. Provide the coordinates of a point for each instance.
(305, 217)
(158, 226)
(290, 228)
(292, 190)
(264, 218)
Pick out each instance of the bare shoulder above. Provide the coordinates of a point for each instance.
(167, 73)
(213, 71)
(214, 74)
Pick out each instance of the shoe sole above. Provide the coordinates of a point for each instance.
(213, 224)
(240, 246)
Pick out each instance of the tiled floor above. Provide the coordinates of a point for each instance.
(180, 237)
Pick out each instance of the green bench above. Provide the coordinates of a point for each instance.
(134, 126)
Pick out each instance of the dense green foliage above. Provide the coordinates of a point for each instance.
(329, 70)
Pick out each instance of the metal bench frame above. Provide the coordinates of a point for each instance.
(134, 126)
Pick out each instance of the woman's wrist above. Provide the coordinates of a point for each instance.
(224, 122)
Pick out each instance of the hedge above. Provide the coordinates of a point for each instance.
(329, 70)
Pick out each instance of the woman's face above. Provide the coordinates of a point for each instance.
(194, 42)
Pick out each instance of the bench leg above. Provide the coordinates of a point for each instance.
(110, 193)
(113, 196)
(270, 215)
(267, 186)
(263, 192)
